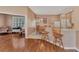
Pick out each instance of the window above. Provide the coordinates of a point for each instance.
(18, 21)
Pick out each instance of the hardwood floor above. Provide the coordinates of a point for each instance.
(31, 45)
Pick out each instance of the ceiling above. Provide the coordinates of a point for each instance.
(50, 10)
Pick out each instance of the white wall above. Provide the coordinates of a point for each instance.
(69, 39)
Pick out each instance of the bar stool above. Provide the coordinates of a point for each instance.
(42, 31)
(57, 38)
(44, 35)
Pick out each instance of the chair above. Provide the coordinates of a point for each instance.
(44, 35)
(42, 32)
(57, 37)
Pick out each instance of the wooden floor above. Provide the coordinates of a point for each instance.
(31, 45)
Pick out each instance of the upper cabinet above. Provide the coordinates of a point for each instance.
(66, 20)
(42, 21)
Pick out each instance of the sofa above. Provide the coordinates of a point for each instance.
(4, 30)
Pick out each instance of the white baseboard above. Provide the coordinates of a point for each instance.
(77, 49)
(72, 48)
(69, 47)
(65, 47)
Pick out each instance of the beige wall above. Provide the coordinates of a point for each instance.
(75, 17)
(8, 21)
(30, 16)
(50, 18)
(76, 24)
(5, 20)
(2, 20)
